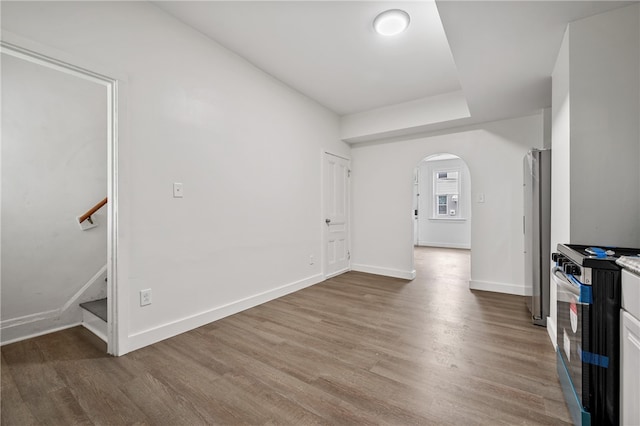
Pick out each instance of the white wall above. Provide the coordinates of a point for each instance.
(453, 233)
(382, 183)
(405, 118)
(596, 111)
(54, 168)
(247, 149)
(604, 68)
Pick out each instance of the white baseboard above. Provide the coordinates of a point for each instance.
(17, 335)
(67, 316)
(335, 274)
(497, 287)
(153, 335)
(553, 332)
(28, 326)
(95, 325)
(29, 319)
(444, 245)
(387, 272)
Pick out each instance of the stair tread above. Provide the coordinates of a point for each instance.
(97, 308)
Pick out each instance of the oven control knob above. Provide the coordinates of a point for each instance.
(555, 256)
(570, 268)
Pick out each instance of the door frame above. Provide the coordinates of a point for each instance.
(12, 44)
(322, 214)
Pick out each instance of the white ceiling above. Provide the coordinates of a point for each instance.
(500, 53)
(329, 51)
(505, 50)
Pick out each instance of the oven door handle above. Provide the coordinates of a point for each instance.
(568, 291)
(561, 280)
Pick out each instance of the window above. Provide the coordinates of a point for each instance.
(442, 204)
(446, 185)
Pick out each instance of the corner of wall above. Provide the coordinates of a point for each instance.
(552, 332)
(495, 287)
(546, 128)
(387, 272)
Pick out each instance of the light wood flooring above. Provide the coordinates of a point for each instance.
(356, 349)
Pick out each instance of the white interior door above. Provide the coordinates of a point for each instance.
(336, 209)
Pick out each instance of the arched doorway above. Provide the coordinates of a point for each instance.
(441, 207)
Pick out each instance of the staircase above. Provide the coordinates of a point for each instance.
(94, 317)
(94, 313)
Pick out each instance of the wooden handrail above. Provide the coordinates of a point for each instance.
(92, 210)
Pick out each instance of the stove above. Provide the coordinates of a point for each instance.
(593, 256)
(588, 286)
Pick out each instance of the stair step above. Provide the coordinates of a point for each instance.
(97, 308)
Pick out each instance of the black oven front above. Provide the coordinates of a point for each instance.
(588, 286)
(574, 300)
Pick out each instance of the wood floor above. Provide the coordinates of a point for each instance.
(356, 349)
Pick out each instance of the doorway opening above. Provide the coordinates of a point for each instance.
(441, 207)
(60, 152)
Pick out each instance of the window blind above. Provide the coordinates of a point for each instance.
(447, 183)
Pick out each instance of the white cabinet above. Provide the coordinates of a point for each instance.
(630, 350)
(630, 370)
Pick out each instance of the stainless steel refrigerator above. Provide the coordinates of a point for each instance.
(537, 232)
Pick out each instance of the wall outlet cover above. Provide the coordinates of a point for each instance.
(145, 297)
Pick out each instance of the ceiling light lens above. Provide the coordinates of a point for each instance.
(391, 22)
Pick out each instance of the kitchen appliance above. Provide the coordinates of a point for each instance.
(537, 231)
(589, 294)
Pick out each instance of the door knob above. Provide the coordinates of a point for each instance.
(327, 221)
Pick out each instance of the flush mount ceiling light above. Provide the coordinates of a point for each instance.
(391, 22)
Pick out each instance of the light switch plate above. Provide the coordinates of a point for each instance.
(177, 190)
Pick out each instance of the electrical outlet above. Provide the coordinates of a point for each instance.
(145, 297)
(312, 260)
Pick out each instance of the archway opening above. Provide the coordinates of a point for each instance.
(442, 214)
